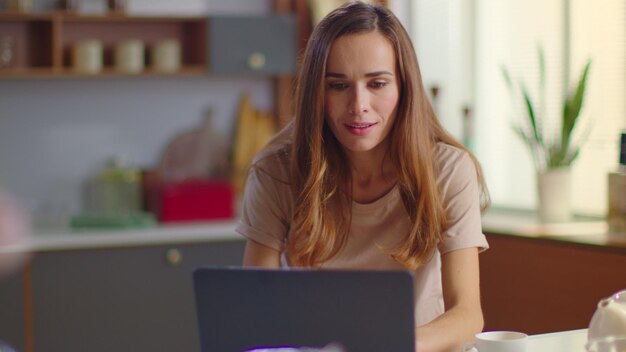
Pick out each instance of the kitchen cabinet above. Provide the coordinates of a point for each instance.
(40, 45)
(131, 297)
(252, 45)
(539, 284)
(12, 311)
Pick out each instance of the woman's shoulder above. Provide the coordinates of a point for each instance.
(452, 159)
(447, 151)
(274, 152)
(274, 159)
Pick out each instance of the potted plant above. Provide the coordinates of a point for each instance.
(552, 153)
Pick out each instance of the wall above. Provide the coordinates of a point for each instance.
(55, 133)
(443, 37)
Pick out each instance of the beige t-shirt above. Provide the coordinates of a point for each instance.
(268, 203)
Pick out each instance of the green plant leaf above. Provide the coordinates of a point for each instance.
(542, 81)
(553, 156)
(532, 117)
(522, 134)
(572, 155)
(507, 78)
(572, 107)
(529, 141)
(551, 152)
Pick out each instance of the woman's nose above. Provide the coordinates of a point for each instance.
(359, 103)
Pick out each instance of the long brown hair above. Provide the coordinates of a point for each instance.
(319, 173)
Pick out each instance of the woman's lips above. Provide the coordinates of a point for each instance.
(360, 129)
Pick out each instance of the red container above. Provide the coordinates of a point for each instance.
(196, 200)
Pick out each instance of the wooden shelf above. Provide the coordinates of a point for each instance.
(42, 43)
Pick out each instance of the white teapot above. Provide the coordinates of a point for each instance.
(607, 329)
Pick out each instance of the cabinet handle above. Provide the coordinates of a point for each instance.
(173, 257)
(256, 61)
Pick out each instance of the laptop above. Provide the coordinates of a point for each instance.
(259, 309)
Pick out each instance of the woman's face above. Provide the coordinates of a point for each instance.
(361, 95)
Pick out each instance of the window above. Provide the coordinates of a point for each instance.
(462, 45)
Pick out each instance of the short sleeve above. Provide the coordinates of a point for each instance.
(461, 200)
(265, 209)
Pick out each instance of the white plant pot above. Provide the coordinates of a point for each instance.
(554, 204)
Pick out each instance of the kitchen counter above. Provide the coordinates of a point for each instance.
(129, 288)
(541, 278)
(215, 231)
(535, 277)
(585, 231)
(581, 231)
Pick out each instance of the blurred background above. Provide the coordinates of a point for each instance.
(57, 131)
(144, 115)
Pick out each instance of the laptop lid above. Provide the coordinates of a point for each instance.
(241, 309)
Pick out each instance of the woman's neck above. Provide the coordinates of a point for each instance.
(372, 174)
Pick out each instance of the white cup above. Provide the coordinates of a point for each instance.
(166, 55)
(498, 341)
(87, 56)
(129, 56)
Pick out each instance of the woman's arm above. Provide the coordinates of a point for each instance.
(461, 293)
(257, 254)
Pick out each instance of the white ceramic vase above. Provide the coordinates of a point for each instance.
(553, 186)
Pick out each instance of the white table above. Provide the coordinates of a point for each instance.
(564, 341)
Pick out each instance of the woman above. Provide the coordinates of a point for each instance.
(366, 177)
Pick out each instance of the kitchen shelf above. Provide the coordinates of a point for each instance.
(42, 43)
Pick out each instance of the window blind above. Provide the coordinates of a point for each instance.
(598, 32)
(509, 33)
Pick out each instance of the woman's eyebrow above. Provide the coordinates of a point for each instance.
(369, 74)
(378, 73)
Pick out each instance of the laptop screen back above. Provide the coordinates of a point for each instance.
(241, 309)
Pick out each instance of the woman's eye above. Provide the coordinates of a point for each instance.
(378, 84)
(337, 85)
